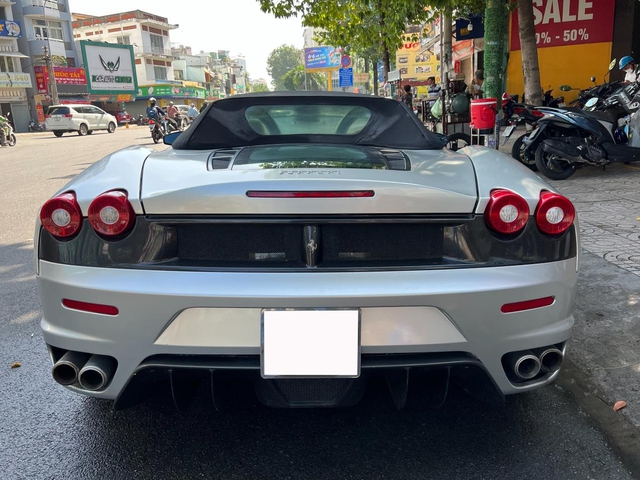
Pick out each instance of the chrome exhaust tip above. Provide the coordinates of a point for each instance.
(97, 373)
(66, 370)
(525, 364)
(551, 360)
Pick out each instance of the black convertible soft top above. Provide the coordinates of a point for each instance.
(231, 122)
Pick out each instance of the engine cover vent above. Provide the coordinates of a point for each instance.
(221, 159)
(396, 159)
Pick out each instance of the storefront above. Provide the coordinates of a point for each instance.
(166, 93)
(13, 99)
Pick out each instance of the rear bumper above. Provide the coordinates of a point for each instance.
(405, 312)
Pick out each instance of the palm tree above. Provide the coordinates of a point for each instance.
(297, 79)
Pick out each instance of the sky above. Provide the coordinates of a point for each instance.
(235, 25)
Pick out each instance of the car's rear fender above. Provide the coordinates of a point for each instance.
(495, 170)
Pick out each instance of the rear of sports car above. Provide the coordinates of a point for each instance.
(307, 245)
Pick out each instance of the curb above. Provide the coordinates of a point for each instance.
(617, 430)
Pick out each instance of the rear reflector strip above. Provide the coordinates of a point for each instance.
(313, 194)
(90, 307)
(527, 305)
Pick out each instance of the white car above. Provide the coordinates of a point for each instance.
(84, 119)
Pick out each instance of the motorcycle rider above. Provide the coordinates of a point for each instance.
(3, 135)
(173, 114)
(156, 114)
(205, 104)
(628, 64)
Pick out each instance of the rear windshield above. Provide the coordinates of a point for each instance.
(59, 111)
(308, 119)
(304, 156)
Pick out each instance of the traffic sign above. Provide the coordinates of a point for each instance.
(345, 61)
(346, 77)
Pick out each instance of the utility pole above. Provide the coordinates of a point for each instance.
(53, 87)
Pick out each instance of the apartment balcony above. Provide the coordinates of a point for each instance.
(52, 9)
(148, 51)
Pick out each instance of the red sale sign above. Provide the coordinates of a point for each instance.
(568, 22)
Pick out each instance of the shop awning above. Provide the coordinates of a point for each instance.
(13, 54)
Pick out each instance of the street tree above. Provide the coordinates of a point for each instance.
(295, 80)
(282, 60)
(259, 87)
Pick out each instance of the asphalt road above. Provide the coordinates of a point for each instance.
(47, 432)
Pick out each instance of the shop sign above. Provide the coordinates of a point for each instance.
(171, 91)
(568, 22)
(10, 28)
(64, 76)
(15, 80)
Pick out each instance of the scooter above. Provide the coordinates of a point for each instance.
(9, 135)
(568, 139)
(35, 126)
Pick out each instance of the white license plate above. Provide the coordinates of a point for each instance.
(509, 130)
(310, 343)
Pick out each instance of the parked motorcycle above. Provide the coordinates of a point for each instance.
(139, 120)
(35, 126)
(568, 139)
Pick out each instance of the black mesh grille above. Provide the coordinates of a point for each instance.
(221, 159)
(306, 389)
(284, 245)
(241, 245)
(381, 244)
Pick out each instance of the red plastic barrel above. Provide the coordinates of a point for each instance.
(483, 113)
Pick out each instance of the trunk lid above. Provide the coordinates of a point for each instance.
(180, 182)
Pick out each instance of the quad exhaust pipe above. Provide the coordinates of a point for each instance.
(66, 370)
(529, 363)
(524, 364)
(92, 372)
(551, 359)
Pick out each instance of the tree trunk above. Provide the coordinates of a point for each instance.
(447, 34)
(494, 34)
(530, 66)
(375, 76)
(385, 61)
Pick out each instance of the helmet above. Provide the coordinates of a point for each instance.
(624, 61)
(152, 100)
(170, 103)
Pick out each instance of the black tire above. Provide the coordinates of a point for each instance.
(156, 137)
(551, 168)
(111, 128)
(58, 133)
(83, 130)
(90, 132)
(11, 141)
(459, 140)
(518, 154)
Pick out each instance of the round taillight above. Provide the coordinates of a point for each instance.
(554, 213)
(111, 213)
(507, 212)
(61, 216)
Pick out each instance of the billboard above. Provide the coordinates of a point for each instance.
(322, 58)
(568, 23)
(110, 68)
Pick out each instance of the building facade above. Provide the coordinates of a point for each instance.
(13, 81)
(45, 23)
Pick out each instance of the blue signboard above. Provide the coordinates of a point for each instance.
(380, 69)
(10, 29)
(346, 77)
(322, 57)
